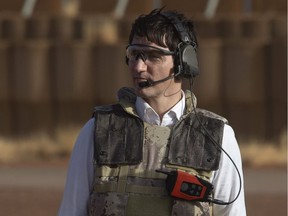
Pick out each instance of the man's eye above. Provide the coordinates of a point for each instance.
(154, 56)
(134, 53)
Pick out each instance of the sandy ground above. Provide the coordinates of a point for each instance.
(37, 190)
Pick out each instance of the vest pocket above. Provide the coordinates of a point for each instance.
(143, 205)
(186, 208)
(107, 204)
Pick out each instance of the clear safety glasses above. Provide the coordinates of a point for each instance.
(148, 54)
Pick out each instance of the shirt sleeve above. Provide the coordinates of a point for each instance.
(80, 175)
(226, 179)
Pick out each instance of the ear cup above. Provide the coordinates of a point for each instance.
(185, 60)
(186, 64)
(189, 61)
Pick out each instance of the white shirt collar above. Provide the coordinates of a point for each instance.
(148, 114)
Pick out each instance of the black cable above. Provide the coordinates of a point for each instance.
(216, 201)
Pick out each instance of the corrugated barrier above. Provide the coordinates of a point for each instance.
(54, 70)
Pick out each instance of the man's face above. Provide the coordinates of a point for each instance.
(151, 64)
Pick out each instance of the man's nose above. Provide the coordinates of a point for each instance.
(141, 56)
(140, 64)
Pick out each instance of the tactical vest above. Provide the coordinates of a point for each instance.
(127, 152)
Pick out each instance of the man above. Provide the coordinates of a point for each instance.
(154, 135)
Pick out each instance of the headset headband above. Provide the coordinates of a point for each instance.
(185, 62)
(183, 34)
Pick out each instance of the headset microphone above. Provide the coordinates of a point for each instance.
(149, 83)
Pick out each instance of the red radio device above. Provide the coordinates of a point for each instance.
(187, 186)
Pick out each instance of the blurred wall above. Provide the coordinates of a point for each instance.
(54, 69)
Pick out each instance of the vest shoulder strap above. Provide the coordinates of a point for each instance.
(196, 141)
(210, 114)
(118, 136)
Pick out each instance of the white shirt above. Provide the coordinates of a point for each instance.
(80, 173)
(147, 113)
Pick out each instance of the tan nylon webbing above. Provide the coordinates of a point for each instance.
(106, 171)
(148, 205)
(122, 181)
(202, 173)
(112, 187)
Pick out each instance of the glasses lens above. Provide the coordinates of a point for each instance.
(133, 53)
(148, 54)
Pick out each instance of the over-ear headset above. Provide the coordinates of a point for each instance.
(185, 59)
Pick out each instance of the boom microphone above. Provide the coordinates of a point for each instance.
(149, 83)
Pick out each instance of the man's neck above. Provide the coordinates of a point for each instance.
(164, 103)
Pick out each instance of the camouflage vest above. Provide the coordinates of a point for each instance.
(127, 152)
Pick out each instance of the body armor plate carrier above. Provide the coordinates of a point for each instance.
(119, 139)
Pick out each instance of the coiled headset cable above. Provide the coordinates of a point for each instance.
(216, 201)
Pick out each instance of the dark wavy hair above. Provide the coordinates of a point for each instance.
(159, 29)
